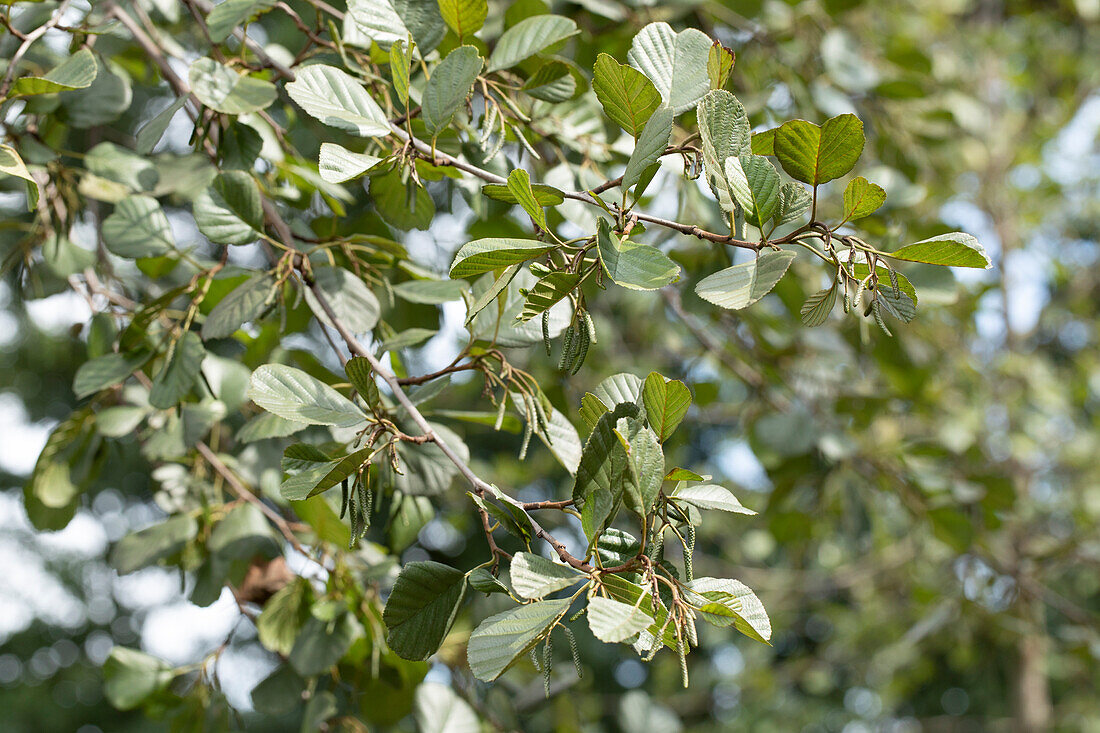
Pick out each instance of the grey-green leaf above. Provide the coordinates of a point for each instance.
(754, 183)
(528, 37)
(448, 87)
(294, 395)
(818, 306)
(224, 90)
(631, 264)
(244, 303)
(723, 132)
(485, 255)
(223, 18)
(137, 228)
(231, 210)
(76, 72)
(338, 99)
(710, 496)
(179, 372)
(613, 621)
(533, 576)
(144, 547)
(349, 297)
(676, 63)
(501, 639)
(742, 285)
(337, 164)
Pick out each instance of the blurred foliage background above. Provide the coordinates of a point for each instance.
(926, 543)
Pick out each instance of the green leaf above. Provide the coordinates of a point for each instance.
(322, 643)
(223, 18)
(145, 547)
(349, 297)
(666, 403)
(153, 130)
(402, 204)
(742, 285)
(224, 90)
(338, 100)
(486, 255)
(533, 576)
(562, 440)
(619, 389)
(862, 198)
(754, 183)
(283, 616)
(632, 594)
(555, 81)
(592, 409)
(818, 306)
(137, 228)
(244, 303)
(449, 86)
(720, 64)
(176, 377)
(267, 425)
(645, 465)
(430, 292)
(388, 21)
(676, 63)
(243, 534)
(422, 607)
(763, 143)
(114, 163)
(616, 547)
(231, 210)
(105, 371)
(734, 601)
(598, 488)
(633, 265)
(294, 395)
(337, 164)
(614, 622)
(544, 195)
(528, 37)
(723, 132)
(519, 186)
(131, 677)
(108, 97)
(650, 146)
(547, 292)
(279, 693)
(860, 270)
(628, 96)
(76, 72)
(794, 201)
(500, 640)
(399, 70)
(710, 496)
(483, 581)
(956, 249)
(816, 155)
(464, 17)
(362, 377)
(11, 164)
(439, 710)
(308, 477)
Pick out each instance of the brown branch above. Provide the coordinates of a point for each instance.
(242, 492)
